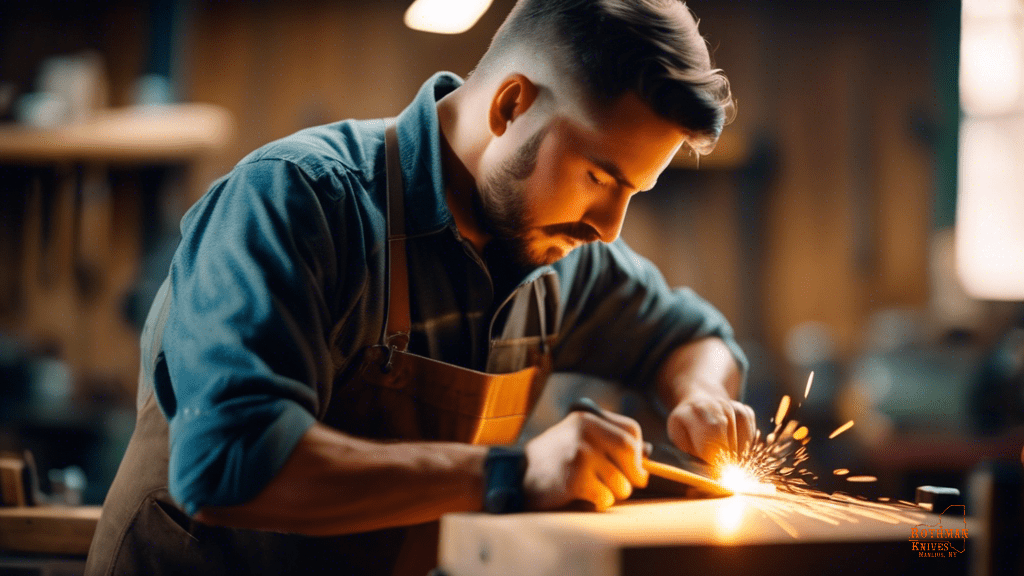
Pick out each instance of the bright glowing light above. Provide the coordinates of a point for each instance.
(991, 8)
(738, 479)
(991, 67)
(445, 16)
(729, 516)
(990, 209)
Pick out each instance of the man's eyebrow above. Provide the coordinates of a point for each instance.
(613, 170)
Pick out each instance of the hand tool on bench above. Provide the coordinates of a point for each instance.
(659, 469)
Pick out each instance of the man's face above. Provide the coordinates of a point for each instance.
(570, 182)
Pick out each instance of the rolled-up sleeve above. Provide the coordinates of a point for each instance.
(245, 343)
(621, 319)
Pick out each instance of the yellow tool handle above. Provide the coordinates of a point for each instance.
(657, 468)
(685, 477)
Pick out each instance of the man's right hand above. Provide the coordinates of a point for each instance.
(584, 457)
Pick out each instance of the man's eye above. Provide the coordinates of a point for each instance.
(594, 178)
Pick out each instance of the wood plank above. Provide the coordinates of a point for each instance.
(48, 530)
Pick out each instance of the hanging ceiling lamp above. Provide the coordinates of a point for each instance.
(445, 16)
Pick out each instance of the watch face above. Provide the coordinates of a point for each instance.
(504, 470)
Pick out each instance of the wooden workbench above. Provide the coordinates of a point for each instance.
(742, 534)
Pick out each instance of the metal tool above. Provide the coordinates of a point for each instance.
(659, 469)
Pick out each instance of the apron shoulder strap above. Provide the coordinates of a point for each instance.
(397, 320)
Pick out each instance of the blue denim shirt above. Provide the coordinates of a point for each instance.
(278, 284)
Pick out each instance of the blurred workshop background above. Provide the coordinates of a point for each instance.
(863, 218)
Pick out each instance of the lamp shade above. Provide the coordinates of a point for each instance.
(445, 16)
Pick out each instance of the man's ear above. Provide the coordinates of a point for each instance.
(513, 97)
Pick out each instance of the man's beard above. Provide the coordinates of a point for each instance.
(501, 209)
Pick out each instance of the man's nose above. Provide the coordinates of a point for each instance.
(608, 216)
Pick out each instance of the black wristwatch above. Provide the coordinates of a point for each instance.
(504, 470)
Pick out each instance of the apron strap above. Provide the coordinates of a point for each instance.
(542, 319)
(397, 322)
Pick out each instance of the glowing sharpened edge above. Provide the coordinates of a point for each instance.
(686, 477)
(739, 479)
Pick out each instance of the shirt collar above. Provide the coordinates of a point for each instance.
(419, 141)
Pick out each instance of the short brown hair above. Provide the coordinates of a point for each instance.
(649, 47)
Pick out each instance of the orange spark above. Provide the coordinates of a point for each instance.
(781, 413)
(841, 429)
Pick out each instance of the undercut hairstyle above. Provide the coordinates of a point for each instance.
(610, 47)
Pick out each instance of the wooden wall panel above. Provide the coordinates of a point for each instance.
(903, 108)
(283, 66)
(810, 272)
(837, 88)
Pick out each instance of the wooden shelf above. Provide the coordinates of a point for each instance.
(124, 135)
(48, 529)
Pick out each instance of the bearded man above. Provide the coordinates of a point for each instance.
(360, 316)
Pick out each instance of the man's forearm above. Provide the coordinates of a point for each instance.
(334, 483)
(704, 366)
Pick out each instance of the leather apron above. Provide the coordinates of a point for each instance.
(385, 393)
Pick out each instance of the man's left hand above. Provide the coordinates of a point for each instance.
(705, 425)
